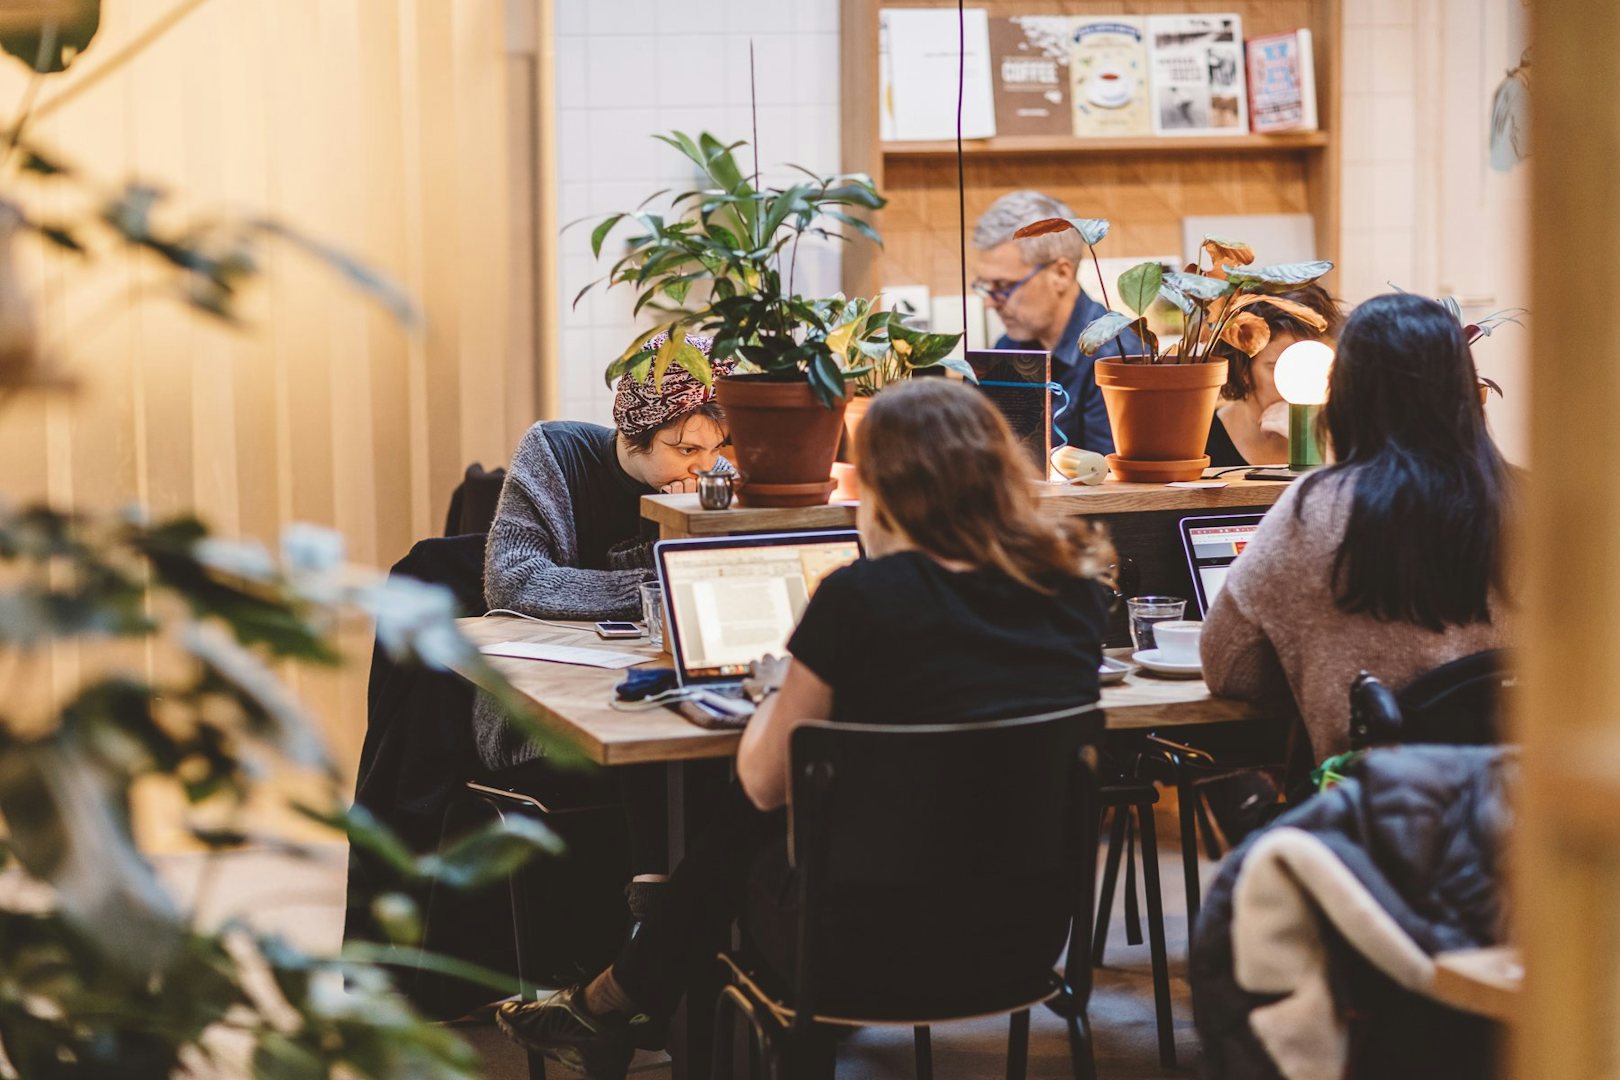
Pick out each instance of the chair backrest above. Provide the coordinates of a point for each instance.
(1457, 703)
(943, 812)
(918, 803)
(472, 504)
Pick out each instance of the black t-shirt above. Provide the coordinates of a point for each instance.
(1222, 451)
(606, 499)
(903, 640)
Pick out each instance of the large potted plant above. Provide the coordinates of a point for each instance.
(1161, 402)
(721, 263)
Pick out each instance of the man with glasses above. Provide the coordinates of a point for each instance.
(1031, 285)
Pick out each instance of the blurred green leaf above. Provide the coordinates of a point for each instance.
(1139, 286)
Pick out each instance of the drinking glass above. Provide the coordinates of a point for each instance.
(1147, 610)
(652, 611)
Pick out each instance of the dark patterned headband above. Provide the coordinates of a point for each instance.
(642, 406)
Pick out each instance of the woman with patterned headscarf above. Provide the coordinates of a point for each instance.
(568, 541)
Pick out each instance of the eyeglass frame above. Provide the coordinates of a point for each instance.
(1003, 294)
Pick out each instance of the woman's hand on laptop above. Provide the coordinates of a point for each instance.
(764, 676)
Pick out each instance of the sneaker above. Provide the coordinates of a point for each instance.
(559, 1026)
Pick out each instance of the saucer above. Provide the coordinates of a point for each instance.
(1112, 671)
(1150, 659)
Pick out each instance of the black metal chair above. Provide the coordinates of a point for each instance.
(929, 811)
(566, 913)
(1457, 703)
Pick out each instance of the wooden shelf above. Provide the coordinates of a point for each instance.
(1013, 145)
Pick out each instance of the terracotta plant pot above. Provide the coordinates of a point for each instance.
(854, 413)
(784, 440)
(1160, 414)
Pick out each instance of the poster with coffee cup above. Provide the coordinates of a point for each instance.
(1108, 69)
(1198, 84)
(1031, 58)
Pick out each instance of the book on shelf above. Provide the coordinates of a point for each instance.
(1197, 75)
(1030, 54)
(918, 57)
(1108, 73)
(1282, 82)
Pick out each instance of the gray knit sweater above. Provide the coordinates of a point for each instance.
(533, 565)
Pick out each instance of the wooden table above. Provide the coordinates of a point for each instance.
(573, 702)
(1486, 982)
(681, 516)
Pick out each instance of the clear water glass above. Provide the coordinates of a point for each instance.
(652, 611)
(1147, 610)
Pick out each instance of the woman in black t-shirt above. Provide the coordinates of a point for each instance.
(1251, 428)
(969, 606)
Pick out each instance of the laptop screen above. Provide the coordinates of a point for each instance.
(1213, 544)
(734, 599)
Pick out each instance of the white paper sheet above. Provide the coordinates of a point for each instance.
(923, 50)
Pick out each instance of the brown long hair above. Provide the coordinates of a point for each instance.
(944, 470)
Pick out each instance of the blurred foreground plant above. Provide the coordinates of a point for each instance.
(103, 972)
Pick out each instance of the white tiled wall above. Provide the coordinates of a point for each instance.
(627, 69)
(1379, 241)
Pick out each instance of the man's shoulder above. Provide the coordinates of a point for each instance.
(570, 434)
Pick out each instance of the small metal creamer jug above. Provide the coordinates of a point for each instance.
(715, 488)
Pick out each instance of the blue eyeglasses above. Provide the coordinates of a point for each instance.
(1000, 293)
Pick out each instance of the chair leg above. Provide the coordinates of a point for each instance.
(537, 1065)
(1133, 910)
(1187, 804)
(1018, 1045)
(1161, 969)
(1105, 902)
(724, 1055)
(1081, 1058)
(925, 1052)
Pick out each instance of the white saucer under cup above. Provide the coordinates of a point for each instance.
(1154, 661)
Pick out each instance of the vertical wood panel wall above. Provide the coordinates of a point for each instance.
(377, 125)
(1566, 861)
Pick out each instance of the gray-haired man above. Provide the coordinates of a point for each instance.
(1032, 285)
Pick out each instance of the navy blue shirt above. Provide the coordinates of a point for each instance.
(1084, 419)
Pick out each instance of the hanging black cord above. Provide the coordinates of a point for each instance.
(961, 174)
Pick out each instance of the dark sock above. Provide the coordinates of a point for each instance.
(603, 996)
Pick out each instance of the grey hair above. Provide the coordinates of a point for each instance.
(1016, 209)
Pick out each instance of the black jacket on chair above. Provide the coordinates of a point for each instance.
(1422, 830)
(418, 750)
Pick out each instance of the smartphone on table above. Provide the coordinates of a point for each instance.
(616, 630)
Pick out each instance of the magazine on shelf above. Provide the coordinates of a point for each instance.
(1108, 69)
(922, 49)
(1282, 82)
(1031, 58)
(1197, 75)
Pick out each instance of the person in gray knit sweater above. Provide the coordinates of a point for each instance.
(1388, 561)
(568, 540)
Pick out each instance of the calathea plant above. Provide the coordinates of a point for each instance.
(1212, 299)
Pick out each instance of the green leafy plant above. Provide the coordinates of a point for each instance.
(1486, 325)
(865, 336)
(1213, 299)
(722, 263)
(182, 637)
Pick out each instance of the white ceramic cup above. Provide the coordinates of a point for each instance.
(1177, 640)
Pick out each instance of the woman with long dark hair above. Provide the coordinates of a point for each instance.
(970, 605)
(1388, 560)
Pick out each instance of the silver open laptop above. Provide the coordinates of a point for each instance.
(732, 599)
